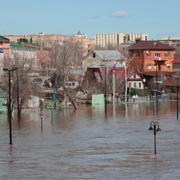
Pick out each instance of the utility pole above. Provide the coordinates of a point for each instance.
(9, 109)
(18, 104)
(125, 76)
(9, 103)
(114, 83)
(105, 90)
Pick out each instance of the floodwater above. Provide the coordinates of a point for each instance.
(89, 144)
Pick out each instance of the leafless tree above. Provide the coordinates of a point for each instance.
(24, 66)
(66, 57)
(129, 67)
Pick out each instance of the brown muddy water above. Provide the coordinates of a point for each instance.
(87, 144)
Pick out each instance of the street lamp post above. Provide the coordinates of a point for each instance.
(155, 127)
(177, 98)
(9, 104)
(105, 92)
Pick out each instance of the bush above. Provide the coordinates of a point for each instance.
(133, 91)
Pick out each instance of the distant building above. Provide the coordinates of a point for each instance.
(81, 35)
(115, 39)
(23, 53)
(170, 40)
(46, 40)
(4, 52)
(5, 46)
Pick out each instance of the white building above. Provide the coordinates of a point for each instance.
(24, 53)
(136, 82)
(115, 39)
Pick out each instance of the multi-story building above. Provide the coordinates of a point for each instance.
(26, 54)
(115, 39)
(149, 54)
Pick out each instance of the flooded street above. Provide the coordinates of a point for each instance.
(86, 144)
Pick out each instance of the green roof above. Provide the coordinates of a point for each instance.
(26, 41)
(3, 39)
(16, 45)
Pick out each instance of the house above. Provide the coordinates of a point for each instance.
(152, 60)
(136, 81)
(23, 53)
(150, 56)
(99, 63)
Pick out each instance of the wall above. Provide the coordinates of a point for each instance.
(149, 63)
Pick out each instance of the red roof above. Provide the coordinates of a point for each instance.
(177, 59)
(150, 45)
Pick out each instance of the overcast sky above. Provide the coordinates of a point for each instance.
(157, 17)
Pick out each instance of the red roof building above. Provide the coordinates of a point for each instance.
(150, 56)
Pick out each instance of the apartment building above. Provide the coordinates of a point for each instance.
(150, 54)
(115, 39)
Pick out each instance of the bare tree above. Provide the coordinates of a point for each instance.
(24, 66)
(66, 56)
(129, 67)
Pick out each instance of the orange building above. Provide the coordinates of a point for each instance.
(150, 56)
(5, 45)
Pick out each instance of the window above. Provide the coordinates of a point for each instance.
(129, 84)
(167, 55)
(158, 55)
(148, 54)
(139, 84)
(149, 66)
(134, 75)
(134, 84)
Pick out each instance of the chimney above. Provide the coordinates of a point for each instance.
(138, 40)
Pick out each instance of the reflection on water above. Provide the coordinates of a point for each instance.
(89, 144)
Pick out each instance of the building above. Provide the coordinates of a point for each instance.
(135, 81)
(103, 58)
(115, 39)
(81, 35)
(4, 52)
(46, 40)
(5, 46)
(102, 63)
(171, 40)
(26, 54)
(150, 56)
(176, 64)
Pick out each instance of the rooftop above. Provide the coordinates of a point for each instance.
(3, 39)
(150, 45)
(16, 45)
(108, 54)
